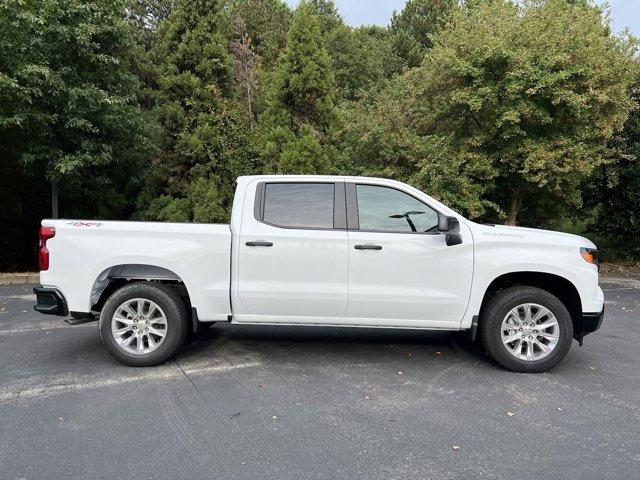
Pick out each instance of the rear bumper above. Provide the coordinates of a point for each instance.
(587, 323)
(50, 301)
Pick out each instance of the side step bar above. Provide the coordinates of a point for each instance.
(78, 318)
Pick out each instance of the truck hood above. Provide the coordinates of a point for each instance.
(531, 235)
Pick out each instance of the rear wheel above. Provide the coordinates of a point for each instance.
(144, 324)
(526, 329)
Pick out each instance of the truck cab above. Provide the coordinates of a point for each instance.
(356, 253)
(331, 251)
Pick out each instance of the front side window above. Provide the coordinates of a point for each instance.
(302, 205)
(389, 210)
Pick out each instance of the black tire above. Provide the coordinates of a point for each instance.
(176, 315)
(499, 306)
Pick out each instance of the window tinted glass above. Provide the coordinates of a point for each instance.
(387, 209)
(308, 205)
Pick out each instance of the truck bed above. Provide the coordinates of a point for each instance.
(84, 253)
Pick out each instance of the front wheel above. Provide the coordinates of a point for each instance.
(526, 329)
(144, 324)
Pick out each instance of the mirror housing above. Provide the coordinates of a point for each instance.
(450, 226)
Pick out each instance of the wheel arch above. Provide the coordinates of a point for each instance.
(557, 285)
(116, 276)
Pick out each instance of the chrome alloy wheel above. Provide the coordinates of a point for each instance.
(139, 326)
(530, 332)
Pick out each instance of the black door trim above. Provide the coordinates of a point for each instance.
(352, 207)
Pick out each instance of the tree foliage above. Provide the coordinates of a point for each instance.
(533, 113)
(297, 123)
(203, 143)
(266, 23)
(417, 24)
(68, 111)
(380, 140)
(618, 189)
(68, 96)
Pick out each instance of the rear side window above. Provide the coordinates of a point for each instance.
(302, 205)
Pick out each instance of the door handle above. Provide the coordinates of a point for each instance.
(368, 247)
(259, 244)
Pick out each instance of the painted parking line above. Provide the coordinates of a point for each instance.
(18, 297)
(65, 383)
(45, 328)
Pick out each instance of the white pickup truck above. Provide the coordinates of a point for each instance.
(324, 251)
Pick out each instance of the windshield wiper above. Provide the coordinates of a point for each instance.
(407, 216)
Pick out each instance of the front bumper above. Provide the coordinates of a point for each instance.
(50, 301)
(587, 323)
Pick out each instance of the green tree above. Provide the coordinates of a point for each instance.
(529, 95)
(68, 111)
(380, 139)
(361, 59)
(327, 15)
(301, 112)
(618, 190)
(415, 26)
(146, 15)
(204, 140)
(257, 31)
(266, 23)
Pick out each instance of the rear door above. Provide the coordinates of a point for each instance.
(400, 268)
(293, 253)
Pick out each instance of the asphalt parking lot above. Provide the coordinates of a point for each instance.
(304, 403)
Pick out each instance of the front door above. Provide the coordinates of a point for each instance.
(401, 272)
(293, 253)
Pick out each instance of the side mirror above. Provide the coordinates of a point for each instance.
(450, 226)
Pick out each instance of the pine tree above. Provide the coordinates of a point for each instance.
(203, 140)
(301, 113)
(416, 25)
(266, 23)
(304, 79)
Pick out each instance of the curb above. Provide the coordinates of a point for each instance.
(26, 277)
